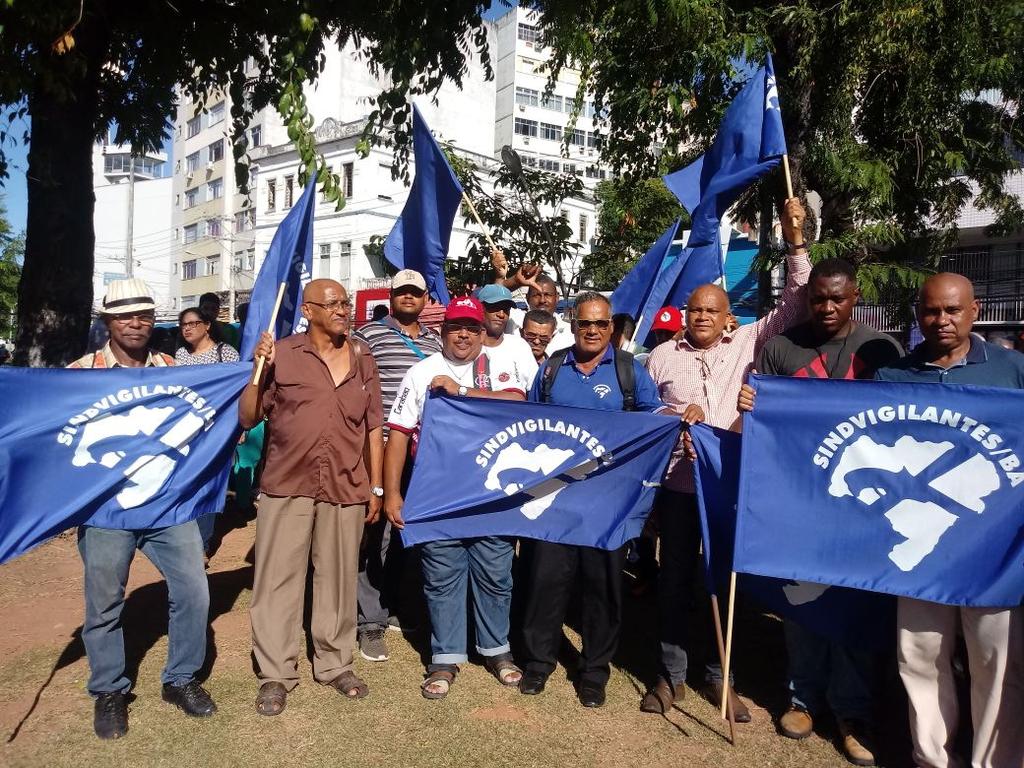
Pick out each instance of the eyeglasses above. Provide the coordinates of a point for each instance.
(333, 306)
(601, 325)
(192, 324)
(142, 319)
(536, 337)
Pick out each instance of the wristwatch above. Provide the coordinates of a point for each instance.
(377, 491)
(463, 390)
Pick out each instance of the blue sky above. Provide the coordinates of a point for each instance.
(13, 192)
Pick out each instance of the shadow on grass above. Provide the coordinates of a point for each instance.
(144, 620)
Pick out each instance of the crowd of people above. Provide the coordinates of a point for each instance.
(343, 414)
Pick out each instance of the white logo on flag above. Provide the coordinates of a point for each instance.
(771, 99)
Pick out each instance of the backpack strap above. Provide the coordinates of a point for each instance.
(626, 375)
(220, 351)
(550, 371)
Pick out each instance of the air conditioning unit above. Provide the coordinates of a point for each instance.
(188, 176)
(526, 140)
(590, 153)
(209, 166)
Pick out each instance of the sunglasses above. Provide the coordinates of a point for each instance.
(601, 325)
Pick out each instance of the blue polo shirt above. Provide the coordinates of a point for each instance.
(599, 389)
(985, 365)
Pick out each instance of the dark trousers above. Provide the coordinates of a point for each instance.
(552, 570)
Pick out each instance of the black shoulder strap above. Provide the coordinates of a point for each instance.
(220, 351)
(550, 371)
(627, 378)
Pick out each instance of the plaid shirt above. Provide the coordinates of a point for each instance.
(712, 377)
(104, 358)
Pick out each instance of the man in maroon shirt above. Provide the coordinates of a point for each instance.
(322, 477)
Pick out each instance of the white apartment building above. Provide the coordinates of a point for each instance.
(148, 197)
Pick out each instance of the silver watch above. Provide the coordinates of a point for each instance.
(377, 491)
(463, 390)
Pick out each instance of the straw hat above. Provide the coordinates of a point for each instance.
(127, 296)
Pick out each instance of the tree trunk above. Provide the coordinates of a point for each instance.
(55, 294)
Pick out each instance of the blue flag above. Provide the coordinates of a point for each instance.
(692, 268)
(115, 448)
(549, 472)
(848, 616)
(420, 237)
(750, 142)
(908, 489)
(631, 296)
(289, 261)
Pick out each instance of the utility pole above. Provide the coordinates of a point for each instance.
(129, 259)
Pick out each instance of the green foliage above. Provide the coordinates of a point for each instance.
(631, 216)
(12, 251)
(514, 226)
(893, 110)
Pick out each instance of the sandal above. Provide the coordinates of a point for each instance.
(350, 686)
(271, 699)
(504, 669)
(437, 683)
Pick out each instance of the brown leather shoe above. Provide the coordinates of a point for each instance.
(713, 693)
(796, 723)
(660, 698)
(858, 746)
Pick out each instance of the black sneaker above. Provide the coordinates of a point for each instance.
(110, 715)
(191, 698)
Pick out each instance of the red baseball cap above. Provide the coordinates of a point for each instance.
(464, 308)
(668, 319)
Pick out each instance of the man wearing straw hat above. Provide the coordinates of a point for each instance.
(322, 477)
(177, 551)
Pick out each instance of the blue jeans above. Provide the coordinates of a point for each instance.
(206, 525)
(486, 566)
(822, 670)
(178, 554)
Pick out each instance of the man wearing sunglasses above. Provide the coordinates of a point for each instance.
(707, 366)
(322, 478)
(591, 374)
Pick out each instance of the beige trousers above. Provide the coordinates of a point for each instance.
(995, 654)
(287, 530)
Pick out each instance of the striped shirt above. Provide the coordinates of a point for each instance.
(390, 348)
(712, 377)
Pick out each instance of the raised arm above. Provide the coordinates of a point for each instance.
(792, 306)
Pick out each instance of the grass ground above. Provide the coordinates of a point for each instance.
(46, 715)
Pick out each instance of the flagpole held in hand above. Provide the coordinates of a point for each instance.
(728, 644)
(789, 180)
(717, 614)
(270, 329)
(472, 209)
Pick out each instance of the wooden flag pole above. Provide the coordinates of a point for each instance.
(789, 180)
(472, 209)
(270, 329)
(728, 643)
(721, 660)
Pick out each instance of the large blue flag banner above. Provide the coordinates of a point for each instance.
(849, 616)
(419, 240)
(289, 261)
(119, 448)
(554, 473)
(631, 295)
(909, 489)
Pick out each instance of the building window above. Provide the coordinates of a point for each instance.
(213, 228)
(323, 264)
(569, 168)
(192, 163)
(584, 223)
(578, 137)
(215, 152)
(177, 201)
(551, 132)
(256, 136)
(551, 102)
(213, 265)
(591, 172)
(245, 220)
(347, 172)
(188, 270)
(188, 301)
(215, 189)
(345, 251)
(174, 268)
(216, 114)
(192, 126)
(527, 96)
(191, 197)
(289, 190)
(549, 165)
(593, 140)
(271, 195)
(250, 259)
(191, 234)
(525, 127)
(527, 33)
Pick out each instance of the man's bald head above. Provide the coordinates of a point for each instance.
(315, 290)
(707, 312)
(946, 312)
(326, 306)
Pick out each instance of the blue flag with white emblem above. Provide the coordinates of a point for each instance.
(290, 261)
(847, 616)
(555, 473)
(124, 448)
(908, 489)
